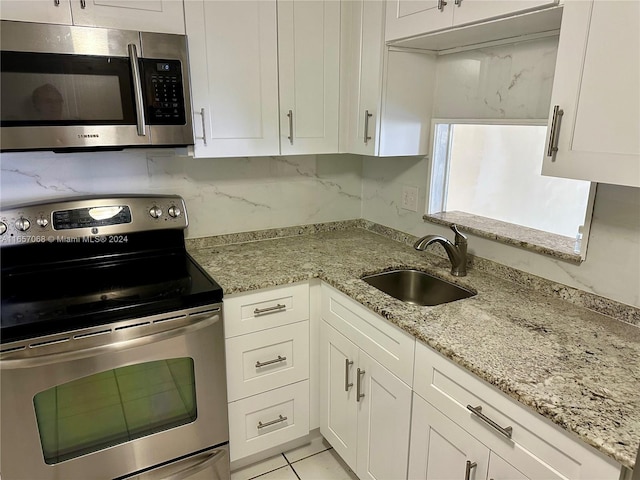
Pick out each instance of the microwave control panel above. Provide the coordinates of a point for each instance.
(164, 92)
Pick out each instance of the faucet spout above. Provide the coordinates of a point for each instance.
(456, 251)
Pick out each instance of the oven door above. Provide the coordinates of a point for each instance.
(112, 400)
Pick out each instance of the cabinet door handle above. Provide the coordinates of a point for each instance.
(458, 2)
(56, 3)
(359, 385)
(506, 431)
(280, 419)
(204, 128)
(83, 4)
(275, 308)
(367, 115)
(270, 362)
(552, 147)
(347, 364)
(290, 137)
(441, 4)
(467, 471)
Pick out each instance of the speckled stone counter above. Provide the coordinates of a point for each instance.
(579, 368)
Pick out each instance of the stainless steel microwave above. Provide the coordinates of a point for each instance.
(66, 88)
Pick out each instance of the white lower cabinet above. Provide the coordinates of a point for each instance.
(365, 408)
(267, 355)
(458, 418)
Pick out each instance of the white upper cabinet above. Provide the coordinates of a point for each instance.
(309, 76)
(407, 18)
(38, 11)
(389, 94)
(233, 61)
(166, 16)
(596, 88)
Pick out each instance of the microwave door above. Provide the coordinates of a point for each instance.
(61, 101)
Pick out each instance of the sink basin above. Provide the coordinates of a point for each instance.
(418, 288)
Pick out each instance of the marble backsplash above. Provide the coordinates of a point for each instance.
(223, 195)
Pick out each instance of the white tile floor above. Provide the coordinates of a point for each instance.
(314, 461)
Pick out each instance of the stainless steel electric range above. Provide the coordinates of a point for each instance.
(112, 348)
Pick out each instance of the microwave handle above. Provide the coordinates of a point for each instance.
(137, 87)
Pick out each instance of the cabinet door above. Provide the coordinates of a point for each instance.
(500, 469)
(364, 74)
(596, 86)
(384, 420)
(338, 406)
(440, 449)
(234, 73)
(39, 11)
(164, 16)
(406, 18)
(309, 67)
(471, 11)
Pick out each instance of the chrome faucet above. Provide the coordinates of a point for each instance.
(457, 251)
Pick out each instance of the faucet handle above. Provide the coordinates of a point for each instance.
(460, 237)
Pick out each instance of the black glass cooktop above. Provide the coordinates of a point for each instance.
(61, 296)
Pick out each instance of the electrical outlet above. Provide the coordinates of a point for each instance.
(410, 198)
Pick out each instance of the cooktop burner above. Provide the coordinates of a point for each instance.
(53, 286)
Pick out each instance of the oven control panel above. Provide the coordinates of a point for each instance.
(87, 218)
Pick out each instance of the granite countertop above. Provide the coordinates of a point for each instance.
(579, 368)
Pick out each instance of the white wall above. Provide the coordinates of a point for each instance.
(222, 195)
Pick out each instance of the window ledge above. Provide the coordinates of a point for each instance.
(556, 246)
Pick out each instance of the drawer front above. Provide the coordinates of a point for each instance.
(451, 389)
(266, 360)
(386, 343)
(262, 309)
(269, 419)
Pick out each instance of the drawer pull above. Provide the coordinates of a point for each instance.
(506, 431)
(262, 311)
(347, 364)
(280, 419)
(467, 471)
(270, 362)
(358, 386)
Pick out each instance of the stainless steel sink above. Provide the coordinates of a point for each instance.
(418, 288)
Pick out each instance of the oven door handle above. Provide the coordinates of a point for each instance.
(196, 323)
(196, 464)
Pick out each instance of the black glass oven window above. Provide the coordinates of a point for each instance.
(114, 407)
(43, 89)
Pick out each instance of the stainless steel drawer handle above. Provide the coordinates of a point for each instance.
(83, 4)
(347, 364)
(276, 308)
(280, 419)
(359, 395)
(441, 5)
(506, 431)
(270, 362)
(56, 3)
(467, 471)
(367, 116)
(552, 147)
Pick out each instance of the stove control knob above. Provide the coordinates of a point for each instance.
(3, 228)
(23, 224)
(42, 222)
(174, 211)
(155, 212)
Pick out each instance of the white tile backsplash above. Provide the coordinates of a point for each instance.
(223, 195)
(498, 82)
